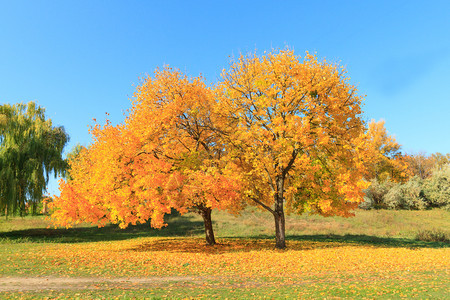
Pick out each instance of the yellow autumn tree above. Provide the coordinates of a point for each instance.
(386, 160)
(294, 125)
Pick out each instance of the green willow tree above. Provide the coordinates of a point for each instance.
(30, 150)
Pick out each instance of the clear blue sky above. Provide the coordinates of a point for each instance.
(80, 59)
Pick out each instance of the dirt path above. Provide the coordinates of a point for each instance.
(10, 284)
(38, 283)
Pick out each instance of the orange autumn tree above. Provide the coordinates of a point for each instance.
(294, 126)
(101, 185)
(164, 156)
(180, 123)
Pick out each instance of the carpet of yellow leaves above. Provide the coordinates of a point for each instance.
(235, 257)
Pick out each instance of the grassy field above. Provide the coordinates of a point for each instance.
(374, 255)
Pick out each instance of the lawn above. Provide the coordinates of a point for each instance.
(373, 255)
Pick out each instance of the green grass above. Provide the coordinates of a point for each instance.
(377, 223)
(21, 237)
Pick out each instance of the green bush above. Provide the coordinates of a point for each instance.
(435, 235)
(375, 194)
(437, 188)
(408, 195)
(416, 193)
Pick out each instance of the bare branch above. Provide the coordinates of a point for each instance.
(263, 205)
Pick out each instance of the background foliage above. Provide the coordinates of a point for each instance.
(428, 185)
(30, 150)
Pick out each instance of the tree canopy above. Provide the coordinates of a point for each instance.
(30, 150)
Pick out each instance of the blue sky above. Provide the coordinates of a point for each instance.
(80, 59)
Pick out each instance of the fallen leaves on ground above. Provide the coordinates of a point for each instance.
(232, 257)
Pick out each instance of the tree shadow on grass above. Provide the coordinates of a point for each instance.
(295, 243)
(178, 226)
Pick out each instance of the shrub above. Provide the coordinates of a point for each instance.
(434, 235)
(375, 194)
(437, 188)
(408, 195)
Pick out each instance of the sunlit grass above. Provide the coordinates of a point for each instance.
(379, 223)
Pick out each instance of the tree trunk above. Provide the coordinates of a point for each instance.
(280, 236)
(44, 208)
(280, 232)
(34, 208)
(278, 213)
(206, 214)
(21, 196)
